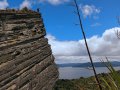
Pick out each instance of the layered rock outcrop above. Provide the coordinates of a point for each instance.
(26, 60)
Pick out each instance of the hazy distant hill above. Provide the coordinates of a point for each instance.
(97, 64)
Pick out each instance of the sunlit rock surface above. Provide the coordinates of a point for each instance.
(26, 60)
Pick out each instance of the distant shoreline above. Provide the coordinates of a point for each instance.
(77, 72)
(87, 65)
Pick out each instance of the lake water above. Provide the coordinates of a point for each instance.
(77, 72)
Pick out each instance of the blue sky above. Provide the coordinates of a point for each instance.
(60, 20)
(99, 18)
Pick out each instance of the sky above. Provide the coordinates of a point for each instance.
(99, 18)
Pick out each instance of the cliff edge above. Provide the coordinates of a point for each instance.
(26, 60)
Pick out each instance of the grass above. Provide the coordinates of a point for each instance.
(112, 81)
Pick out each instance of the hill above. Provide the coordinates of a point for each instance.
(97, 64)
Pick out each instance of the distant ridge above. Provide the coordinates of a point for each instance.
(97, 64)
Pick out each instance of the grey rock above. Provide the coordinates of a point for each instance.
(26, 60)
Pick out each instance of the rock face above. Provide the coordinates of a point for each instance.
(26, 60)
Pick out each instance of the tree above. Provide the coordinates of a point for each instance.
(25, 9)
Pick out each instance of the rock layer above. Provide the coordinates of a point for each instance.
(26, 60)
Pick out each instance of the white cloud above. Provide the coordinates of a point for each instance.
(95, 24)
(26, 3)
(3, 4)
(61, 48)
(83, 59)
(88, 10)
(54, 2)
(106, 45)
(29, 3)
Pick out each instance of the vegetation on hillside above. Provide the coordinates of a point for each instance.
(108, 81)
(88, 83)
(20, 11)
